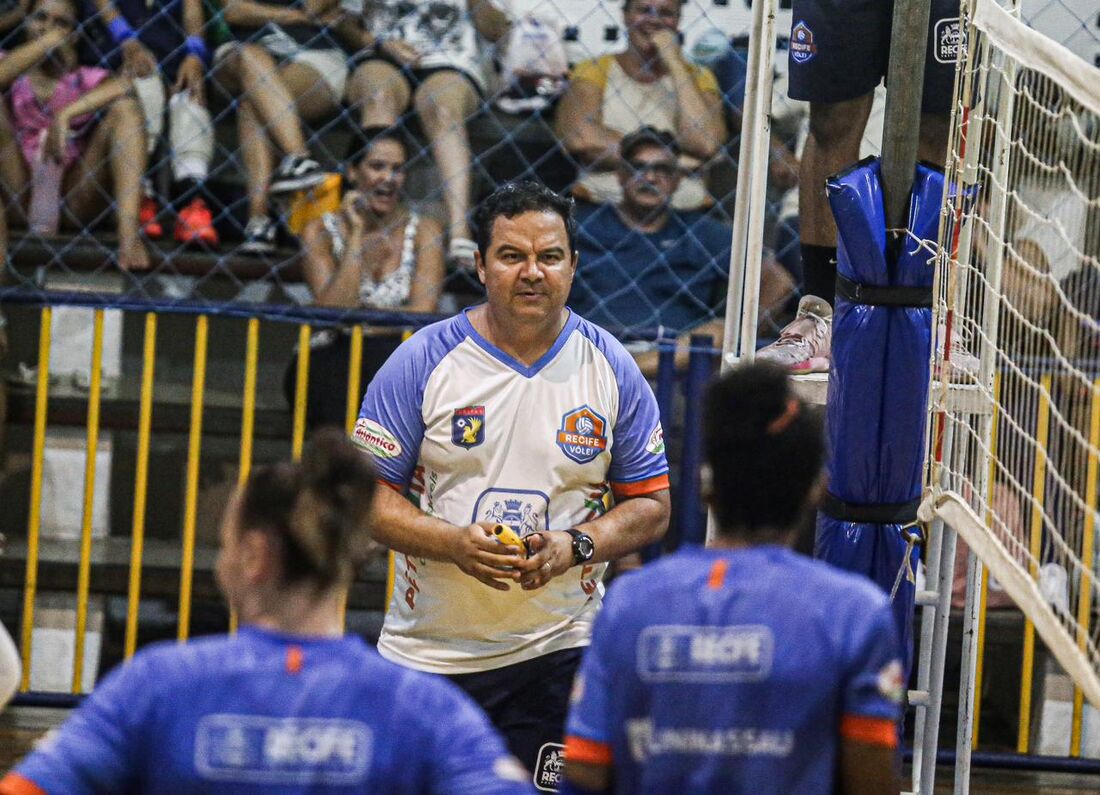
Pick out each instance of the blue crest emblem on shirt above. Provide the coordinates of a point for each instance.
(468, 426)
(802, 47)
(583, 435)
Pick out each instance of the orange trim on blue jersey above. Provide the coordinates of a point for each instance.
(639, 487)
(718, 574)
(873, 731)
(591, 752)
(15, 784)
(394, 486)
(294, 659)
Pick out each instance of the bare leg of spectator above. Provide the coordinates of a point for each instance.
(380, 92)
(14, 175)
(253, 72)
(836, 130)
(115, 154)
(256, 157)
(313, 97)
(443, 103)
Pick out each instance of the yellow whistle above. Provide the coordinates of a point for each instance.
(507, 536)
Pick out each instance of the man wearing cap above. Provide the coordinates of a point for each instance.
(645, 265)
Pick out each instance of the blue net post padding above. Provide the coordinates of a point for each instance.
(693, 517)
(878, 381)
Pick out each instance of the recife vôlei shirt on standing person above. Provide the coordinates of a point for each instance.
(472, 435)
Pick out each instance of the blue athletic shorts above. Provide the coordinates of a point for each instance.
(840, 48)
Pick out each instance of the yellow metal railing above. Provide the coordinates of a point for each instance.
(141, 470)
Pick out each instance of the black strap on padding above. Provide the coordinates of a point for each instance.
(886, 513)
(870, 295)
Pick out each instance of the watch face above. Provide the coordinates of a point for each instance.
(583, 547)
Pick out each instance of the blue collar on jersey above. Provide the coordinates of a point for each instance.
(502, 357)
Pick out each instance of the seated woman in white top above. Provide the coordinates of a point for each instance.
(374, 253)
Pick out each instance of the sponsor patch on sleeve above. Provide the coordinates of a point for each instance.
(891, 681)
(375, 439)
(656, 443)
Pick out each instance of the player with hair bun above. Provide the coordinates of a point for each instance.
(288, 704)
(743, 666)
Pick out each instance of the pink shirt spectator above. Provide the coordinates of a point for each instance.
(32, 118)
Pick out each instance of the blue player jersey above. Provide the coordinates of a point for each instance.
(472, 435)
(263, 712)
(735, 671)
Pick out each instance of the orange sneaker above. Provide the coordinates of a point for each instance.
(147, 217)
(196, 224)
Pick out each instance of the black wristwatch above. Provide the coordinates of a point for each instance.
(583, 546)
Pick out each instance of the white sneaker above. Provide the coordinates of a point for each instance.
(296, 172)
(259, 237)
(803, 346)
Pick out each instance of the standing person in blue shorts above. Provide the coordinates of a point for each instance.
(288, 704)
(839, 51)
(742, 667)
(515, 412)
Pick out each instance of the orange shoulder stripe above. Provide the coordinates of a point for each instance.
(578, 749)
(873, 731)
(639, 487)
(15, 784)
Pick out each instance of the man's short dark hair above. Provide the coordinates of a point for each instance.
(516, 198)
(648, 136)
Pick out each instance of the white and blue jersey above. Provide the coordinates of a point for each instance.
(735, 671)
(270, 713)
(472, 435)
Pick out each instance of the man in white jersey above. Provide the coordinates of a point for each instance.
(514, 412)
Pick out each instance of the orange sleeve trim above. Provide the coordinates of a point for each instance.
(639, 487)
(578, 749)
(394, 486)
(873, 731)
(15, 784)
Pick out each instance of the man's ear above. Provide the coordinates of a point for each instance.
(479, 263)
(576, 261)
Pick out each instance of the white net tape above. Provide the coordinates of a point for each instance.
(1018, 292)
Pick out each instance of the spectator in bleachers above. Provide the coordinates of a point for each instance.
(425, 54)
(12, 13)
(286, 66)
(375, 253)
(68, 131)
(154, 42)
(644, 264)
(650, 82)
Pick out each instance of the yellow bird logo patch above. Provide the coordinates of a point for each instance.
(468, 426)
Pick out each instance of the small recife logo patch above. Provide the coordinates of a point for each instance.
(656, 443)
(375, 439)
(468, 426)
(549, 767)
(583, 435)
(946, 40)
(802, 44)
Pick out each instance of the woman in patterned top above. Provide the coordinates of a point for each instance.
(374, 253)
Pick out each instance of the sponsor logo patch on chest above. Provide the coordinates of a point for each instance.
(583, 434)
(468, 426)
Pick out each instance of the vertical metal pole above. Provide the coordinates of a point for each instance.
(692, 518)
(940, 568)
(34, 520)
(355, 372)
(1038, 496)
(141, 483)
(1088, 559)
(666, 393)
(84, 571)
(191, 494)
(901, 128)
(743, 292)
(301, 392)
